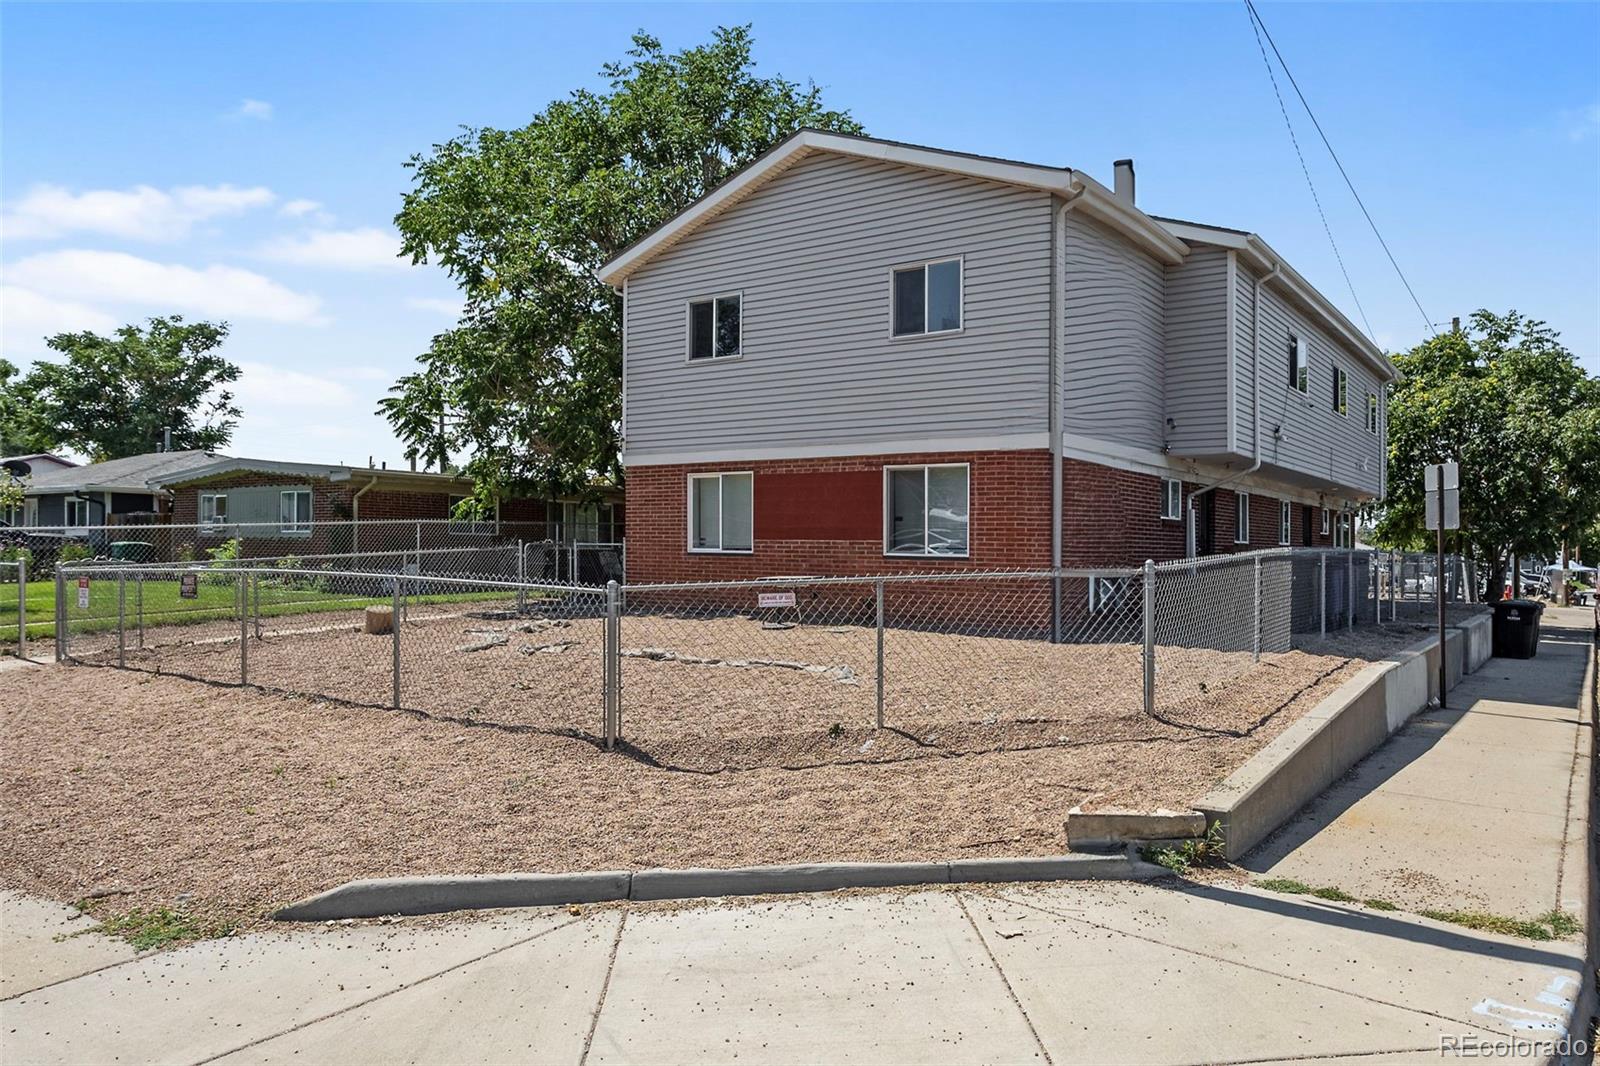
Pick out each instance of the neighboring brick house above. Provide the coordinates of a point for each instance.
(309, 508)
(857, 357)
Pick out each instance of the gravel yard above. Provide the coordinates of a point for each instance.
(228, 800)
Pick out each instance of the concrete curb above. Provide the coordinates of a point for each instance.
(378, 897)
(1319, 748)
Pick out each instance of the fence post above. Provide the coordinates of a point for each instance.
(1255, 651)
(1322, 591)
(1350, 591)
(61, 614)
(122, 616)
(244, 628)
(22, 605)
(394, 629)
(138, 607)
(522, 578)
(613, 671)
(1149, 636)
(255, 599)
(878, 597)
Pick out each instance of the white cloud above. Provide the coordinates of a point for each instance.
(29, 317)
(262, 385)
(256, 109)
(1581, 123)
(435, 306)
(160, 288)
(141, 213)
(297, 208)
(356, 249)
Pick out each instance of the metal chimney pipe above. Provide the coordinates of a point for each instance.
(1123, 185)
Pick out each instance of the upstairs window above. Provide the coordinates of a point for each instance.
(294, 511)
(1299, 365)
(1285, 522)
(716, 327)
(927, 298)
(1341, 386)
(926, 510)
(721, 512)
(1372, 412)
(1241, 518)
(1171, 499)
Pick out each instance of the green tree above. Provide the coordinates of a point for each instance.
(116, 396)
(528, 384)
(23, 429)
(1508, 401)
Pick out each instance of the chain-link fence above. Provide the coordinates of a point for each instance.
(507, 551)
(712, 675)
(1407, 583)
(14, 607)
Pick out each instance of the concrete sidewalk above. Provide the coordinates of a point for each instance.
(1084, 972)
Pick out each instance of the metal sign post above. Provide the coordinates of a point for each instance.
(1442, 482)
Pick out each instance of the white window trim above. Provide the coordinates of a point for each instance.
(722, 514)
(1285, 522)
(1341, 378)
(70, 504)
(961, 300)
(888, 512)
(294, 528)
(1175, 514)
(1301, 365)
(1241, 517)
(1327, 522)
(688, 328)
(1096, 601)
(200, 514)
(1372, 413)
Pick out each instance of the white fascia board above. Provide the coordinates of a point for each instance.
(1143, 461)
(909, 446)
(1055, 180)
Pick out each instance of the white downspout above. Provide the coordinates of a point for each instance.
(1058, 303)
(1255, 402)
(355, 514)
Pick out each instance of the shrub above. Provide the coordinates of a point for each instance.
(16, 553)
(73, 552)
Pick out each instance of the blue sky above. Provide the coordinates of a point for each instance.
(244, 162)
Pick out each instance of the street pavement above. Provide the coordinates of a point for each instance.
(1473, 807)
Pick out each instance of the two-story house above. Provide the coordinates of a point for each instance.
(858, 356)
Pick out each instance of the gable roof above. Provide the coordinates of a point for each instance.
(133, 473)
(1095, 198)
(1261, 256)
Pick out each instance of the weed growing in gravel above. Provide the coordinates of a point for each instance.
(1338, 895)
(1379, 905)
(1202, 851)
(1560, 922)
(1284, 884)
(1547, 926)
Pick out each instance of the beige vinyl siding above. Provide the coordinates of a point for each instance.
(1197, 353)
(1315, 441)
(1113, 338)
(812, 253)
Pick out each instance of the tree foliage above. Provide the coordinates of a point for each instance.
(22, 428)
(116, 396)
(1509, 402)
(528, 383)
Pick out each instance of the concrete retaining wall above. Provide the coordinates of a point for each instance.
(1339, 732)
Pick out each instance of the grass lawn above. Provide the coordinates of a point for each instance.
(163, 606)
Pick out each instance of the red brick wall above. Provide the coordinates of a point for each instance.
(825, 516)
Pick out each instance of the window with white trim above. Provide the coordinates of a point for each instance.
(12, 514)
(716, 327)
(1171, 499)
(1341, 387)
(1326, 521)
(1299, 365)
(722, 512)
(1342, 530)
(1372, 412)
(77, 513)
(294, 511)
(214, 509)
(1107, 594)
(1241, 518)
(926, 509)
(1285, 522)
(926, 298)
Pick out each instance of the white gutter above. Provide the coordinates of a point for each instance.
(1058, 303)
(1255, 402)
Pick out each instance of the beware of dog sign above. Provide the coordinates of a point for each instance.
(188, 586)
(774, 599)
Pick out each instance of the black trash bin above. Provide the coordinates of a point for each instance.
(1516, 628)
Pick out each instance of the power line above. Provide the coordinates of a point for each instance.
(1256, 20)
(1254, 23)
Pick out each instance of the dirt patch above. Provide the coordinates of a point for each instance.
(232, 800)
